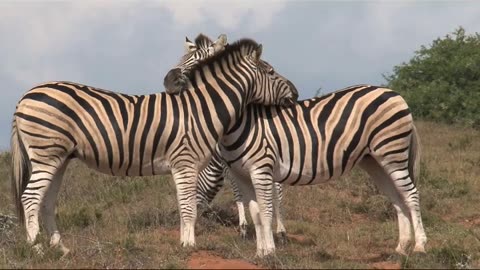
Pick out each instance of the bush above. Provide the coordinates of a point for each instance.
(442, 82)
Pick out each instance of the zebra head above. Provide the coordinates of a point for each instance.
(176, 81)
(270, 88)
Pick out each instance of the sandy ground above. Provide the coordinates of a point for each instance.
(206, 260)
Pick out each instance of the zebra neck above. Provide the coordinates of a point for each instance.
(215, 103)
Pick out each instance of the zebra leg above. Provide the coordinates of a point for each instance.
(48, 211)
(185, 182)
(211, 179)
(257, 221)
(411, 198)
(386, 186)
(401, 168)
(263, 184)
(247, 191)
(241, 210)
(277, 204)
(404, 228)
(32, 198)
(400, 189)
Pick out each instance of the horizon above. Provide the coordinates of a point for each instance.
(129, 46)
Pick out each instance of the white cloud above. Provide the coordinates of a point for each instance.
(37, 30)
(227, 14)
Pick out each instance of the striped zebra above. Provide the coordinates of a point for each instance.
(318, 140)
(176, 79)
(176, 82)
(135, 135)
(211, 180)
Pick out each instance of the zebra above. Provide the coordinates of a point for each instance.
(318, 140)
(211, 180)
(176, 82)
(244, 153)
(176, 79)
(135, 135)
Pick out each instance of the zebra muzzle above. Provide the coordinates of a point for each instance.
(175, 81)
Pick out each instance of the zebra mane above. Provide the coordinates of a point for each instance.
(202, 41)
(231, 48)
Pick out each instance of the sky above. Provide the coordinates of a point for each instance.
(128, 46)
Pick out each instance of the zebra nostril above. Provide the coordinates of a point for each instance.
(175, 81)
(295, 96)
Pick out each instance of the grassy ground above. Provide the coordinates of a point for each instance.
(119, 222)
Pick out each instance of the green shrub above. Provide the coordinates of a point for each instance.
(442, 81)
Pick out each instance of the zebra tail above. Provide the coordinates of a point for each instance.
(414, 156)
(20, 171)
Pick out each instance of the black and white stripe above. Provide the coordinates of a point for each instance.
(318, 140)
(131, 135)
(211, 180)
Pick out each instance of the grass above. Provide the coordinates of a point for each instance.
(119, 222)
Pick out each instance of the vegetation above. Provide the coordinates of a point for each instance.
(120, 222)
(442, 81)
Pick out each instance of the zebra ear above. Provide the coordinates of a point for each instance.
(220, 43)
(257, 53)
(189, 46)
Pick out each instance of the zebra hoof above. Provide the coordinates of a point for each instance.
(282, 238)
(401, 251)
(265, 253)
(419, 249)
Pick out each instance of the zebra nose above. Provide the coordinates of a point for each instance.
(174, 82)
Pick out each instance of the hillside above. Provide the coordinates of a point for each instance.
(120, 222)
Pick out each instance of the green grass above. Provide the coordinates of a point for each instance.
(120, 222)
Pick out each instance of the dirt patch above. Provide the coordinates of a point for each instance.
(170, 233)
(206, 260)
(300, 239)
(471, 222)
(356, 218)
(386, 265)
(366, 257)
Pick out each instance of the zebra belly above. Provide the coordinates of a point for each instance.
(292, 174)
(158, 166)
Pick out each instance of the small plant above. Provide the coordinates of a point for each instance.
(461, 144)
(81, 218)
(129, 243)
(323, 255)
(452, 256)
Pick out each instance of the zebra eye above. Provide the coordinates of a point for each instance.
(210, 51)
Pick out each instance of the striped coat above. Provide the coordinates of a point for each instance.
(121, 134)
(318, 140)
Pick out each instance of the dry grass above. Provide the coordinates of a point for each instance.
(119, 222)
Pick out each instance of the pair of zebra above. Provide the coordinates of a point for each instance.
(209, 110)
(315, 141)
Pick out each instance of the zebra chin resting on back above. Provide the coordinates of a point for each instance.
(177, 82)
(135, 135)
(365, 125)
(176, 79)
(318, 140)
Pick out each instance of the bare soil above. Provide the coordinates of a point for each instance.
(206, 260)
(386, 265)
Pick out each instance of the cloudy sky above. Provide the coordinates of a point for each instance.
(128, 46)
